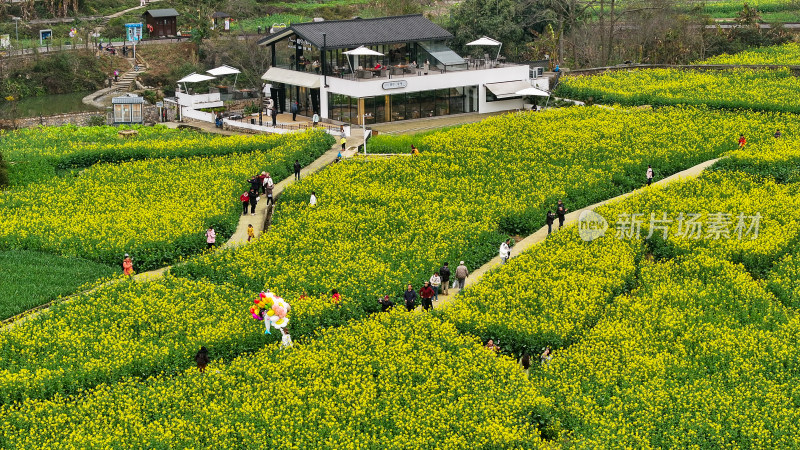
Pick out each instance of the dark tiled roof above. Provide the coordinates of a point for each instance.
(168, 12)
(352, 33)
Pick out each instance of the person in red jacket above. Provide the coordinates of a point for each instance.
(245, 199)
(742, 141)
(427, 296)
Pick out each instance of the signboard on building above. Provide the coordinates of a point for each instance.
(399, 84)
(45, 35)
(300, 44)
(133, 32)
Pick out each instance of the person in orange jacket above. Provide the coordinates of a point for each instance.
(127, 266)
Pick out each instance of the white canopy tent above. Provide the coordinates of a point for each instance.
(487, 42)
(360, 51)
(225, 70)
(534, 92)
(194, 78)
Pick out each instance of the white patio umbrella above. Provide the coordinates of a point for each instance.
(532, 91)
(360, 51)
(487, 42)
(194, 78)
(225, 70)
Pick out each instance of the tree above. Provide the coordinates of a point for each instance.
(497, 19)
(555, 18)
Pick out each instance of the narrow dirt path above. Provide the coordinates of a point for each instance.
(540, 235)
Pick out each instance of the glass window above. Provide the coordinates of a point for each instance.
(398, 107)
(427, 103)
(118, 117)
(136, 113)
(442, 102)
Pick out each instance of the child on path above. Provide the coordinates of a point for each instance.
(343, 142)
(211, 237)
(127, 266)
(251, 232)
(742, 141)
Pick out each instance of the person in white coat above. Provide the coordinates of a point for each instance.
(505, 251)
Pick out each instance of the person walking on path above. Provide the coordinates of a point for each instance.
(505, 251)
(649, 175)
(444, 273)
(253, 196)
(313, 200)
(262, 182)
(461, 275)
(201, 359)
(561, 211)
(294, 109)
(245, 199)
(410, 298)
(386, 303)
(211, 237)
(343, 141)
(315, 119)
(297, 168)
(127, 266)
(550, 218)
(436, 283)
(255, 183)
(777, 134)
(270, 200)
(251, 232)
(742, 141)
(427, 295)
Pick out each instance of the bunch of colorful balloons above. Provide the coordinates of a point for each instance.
(271, 309)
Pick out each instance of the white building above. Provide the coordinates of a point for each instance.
(310, 66)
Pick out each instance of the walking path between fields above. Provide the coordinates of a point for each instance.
(238, 238)
(540, 235)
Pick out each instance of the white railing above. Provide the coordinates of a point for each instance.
(189, 113)
(191, 100)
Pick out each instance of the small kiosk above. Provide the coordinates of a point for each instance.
(128, 109)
